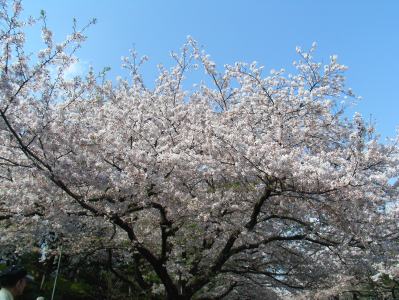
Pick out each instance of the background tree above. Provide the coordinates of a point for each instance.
(250, 178)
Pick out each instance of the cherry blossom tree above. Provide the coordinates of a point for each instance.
(245, 178)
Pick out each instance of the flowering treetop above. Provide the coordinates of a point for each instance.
(251, 177)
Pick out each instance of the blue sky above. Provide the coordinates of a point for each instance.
(364, 34)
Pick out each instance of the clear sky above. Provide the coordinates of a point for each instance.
(364, 34)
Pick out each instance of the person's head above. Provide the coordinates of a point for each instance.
(14, 279)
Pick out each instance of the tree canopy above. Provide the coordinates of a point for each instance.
(246, 178)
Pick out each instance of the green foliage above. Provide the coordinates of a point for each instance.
(386, 288)
(86, 279)
(3, 267)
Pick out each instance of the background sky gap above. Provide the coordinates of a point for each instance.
(364, 34)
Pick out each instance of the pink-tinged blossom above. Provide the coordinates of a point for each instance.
(245, 177)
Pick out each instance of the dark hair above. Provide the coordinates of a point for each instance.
(10, 276)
